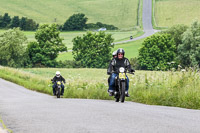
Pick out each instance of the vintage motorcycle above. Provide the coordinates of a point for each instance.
(120, 85)
(58, 88)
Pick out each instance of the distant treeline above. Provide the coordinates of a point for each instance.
(24, 23)
(76, 22)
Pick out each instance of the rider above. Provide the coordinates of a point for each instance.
(114, 54)
(58, 77)
(116, 63)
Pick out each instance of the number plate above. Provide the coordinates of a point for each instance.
(122, 75)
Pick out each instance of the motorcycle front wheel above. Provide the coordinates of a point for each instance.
(58, 93)
(122, 95)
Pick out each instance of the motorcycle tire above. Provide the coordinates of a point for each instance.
(122, 95)
(58, 93)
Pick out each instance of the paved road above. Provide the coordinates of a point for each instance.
(146, 21)
(26, 111)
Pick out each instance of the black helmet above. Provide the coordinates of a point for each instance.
(120, 50)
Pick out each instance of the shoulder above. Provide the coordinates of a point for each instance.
(113, 61)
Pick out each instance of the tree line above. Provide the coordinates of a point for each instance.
(24, 23)
(76, 22)
(93, 50)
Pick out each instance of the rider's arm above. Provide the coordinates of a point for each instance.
(110, 67)
(62, 79)
(54, 79)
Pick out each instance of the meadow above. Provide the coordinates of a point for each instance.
(120, 13)
(180, 89)
(131, 49)
(172, 12)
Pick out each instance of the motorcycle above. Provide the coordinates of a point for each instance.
(58, 88)
(120, 85)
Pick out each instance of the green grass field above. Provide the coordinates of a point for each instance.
(68, 36)
(172, 12)
(180, 89)
(131, 49)
(120, 13)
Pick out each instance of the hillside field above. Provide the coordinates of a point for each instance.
(172, 12)
(120, 13)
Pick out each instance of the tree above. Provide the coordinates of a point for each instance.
(13, 48)
(189, 50)
(15, 22)
(176, 32)
(6, 20)
(157, 51)
(75, 22)
(48, 45)
(93, 50)
(22, 23)
(1, 21)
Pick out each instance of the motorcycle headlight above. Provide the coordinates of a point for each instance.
(59, 83)
(121, 70)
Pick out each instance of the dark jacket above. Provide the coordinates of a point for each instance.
(58, 79)
(117, 63)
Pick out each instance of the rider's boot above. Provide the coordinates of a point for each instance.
(127, 94)
(111, 92)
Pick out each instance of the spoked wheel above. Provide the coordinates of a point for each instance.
(122, 96)
(58, 93)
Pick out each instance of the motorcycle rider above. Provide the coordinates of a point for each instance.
(114, 54)
(116, 63)
(58, 77)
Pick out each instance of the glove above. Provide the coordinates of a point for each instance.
(109, 73)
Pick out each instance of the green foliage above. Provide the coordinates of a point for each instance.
(176, 32)
(157, 51)
(48, 45)
(101, 25)
(75, 22)
(24, 23)
(189, 50)
(135, 63)
(15, 22)
(5, 20)
(13, 48)
(28, 24)
(93, 50)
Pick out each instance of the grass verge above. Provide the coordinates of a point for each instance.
(4, 127)
(179, 89)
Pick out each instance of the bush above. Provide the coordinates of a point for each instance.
(100, 25)
(75, 22)
(135, 63)
(157, 51)
(189, 50)
(176, 32)
(48, 45)
(93, 50)
(13, 49)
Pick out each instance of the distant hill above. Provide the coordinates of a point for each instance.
(171, 12)
(120, 13)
